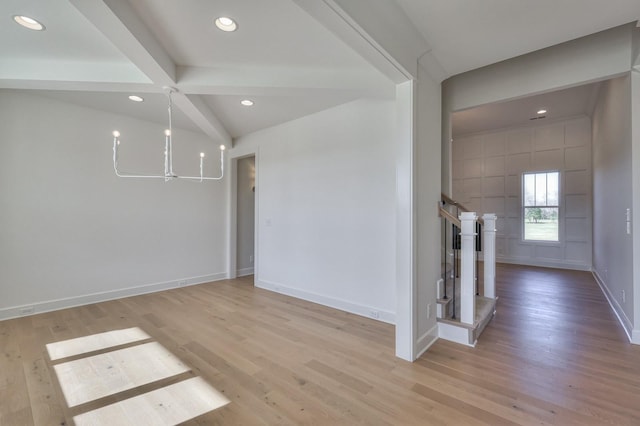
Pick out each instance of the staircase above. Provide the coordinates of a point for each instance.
(466, 300)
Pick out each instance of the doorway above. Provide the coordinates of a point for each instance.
(245, 219)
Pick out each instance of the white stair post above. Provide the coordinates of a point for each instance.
(467, 267)
(489, 232)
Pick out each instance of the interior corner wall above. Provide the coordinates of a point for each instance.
(635, 209)
(72, 233)
(427, 190)
(245, 215)
(487, 178)
(326, 207)
(612, 189)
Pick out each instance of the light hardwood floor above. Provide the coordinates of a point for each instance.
(554, 354)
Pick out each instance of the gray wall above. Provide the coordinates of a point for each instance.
(487, 178)
(612, 187)
(246, 170)
(71, 232)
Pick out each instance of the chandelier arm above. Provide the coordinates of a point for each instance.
(196, 178)
(168, 157)
(116, 142)
(139, 176)
(201, 178)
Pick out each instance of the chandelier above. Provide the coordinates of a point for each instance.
(169, 174)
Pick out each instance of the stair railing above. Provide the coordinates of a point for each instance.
(451, 229)
(468, 233)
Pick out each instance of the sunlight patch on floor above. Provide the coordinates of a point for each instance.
(106, 374)
(167, 406)
(95, 342)
(97, 376)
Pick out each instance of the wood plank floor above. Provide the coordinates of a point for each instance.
(554, 354)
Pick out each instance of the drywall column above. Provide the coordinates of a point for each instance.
(467, 267)
(489, 252)
(405, 265)
(427, 193)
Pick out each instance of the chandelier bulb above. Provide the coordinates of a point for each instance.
(167, 132)
(202, 155)
(222, 147)
(116, 134)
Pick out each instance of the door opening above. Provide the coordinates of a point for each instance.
(245, 222)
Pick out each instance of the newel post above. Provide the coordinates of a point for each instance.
(489, 255)
(467, 267)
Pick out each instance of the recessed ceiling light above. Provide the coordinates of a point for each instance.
(226, 24)
(246, 102)
(542, 111)
(136, 98)
(28, 22)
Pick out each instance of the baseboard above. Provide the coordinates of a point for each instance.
(627, 326)
(544, 263)
(426, 340)
(332, 302)
(635, 337)
(454, 334)
(244, 272)
(87, 299)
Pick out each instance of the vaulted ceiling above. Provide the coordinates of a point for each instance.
(291, 57)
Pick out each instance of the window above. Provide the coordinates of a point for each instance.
(541, 206)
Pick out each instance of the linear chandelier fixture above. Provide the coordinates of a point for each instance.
(168, 156)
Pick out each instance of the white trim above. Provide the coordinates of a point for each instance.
(565, 264)
(425, 341)
(87, 299)
(332, 302)
(635, 337)
(405, 200)
(615, 306)
(454, 334)
(244, 272)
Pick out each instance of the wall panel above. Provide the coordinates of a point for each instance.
(500, 158)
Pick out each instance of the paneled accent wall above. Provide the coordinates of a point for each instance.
(487, 178)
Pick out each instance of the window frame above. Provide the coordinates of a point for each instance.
(523, 207)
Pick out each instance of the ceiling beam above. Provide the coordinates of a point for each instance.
(117, 20)
(378, 30)
(75, 85)
(282, 81)
(194, 107)
(66, 71)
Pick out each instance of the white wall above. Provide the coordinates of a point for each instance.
(427, 190)
(71, 232)
(245, 215)
(612, 187)
(487, 178)
(326, 207)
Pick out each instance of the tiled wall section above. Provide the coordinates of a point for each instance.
(487, 178)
